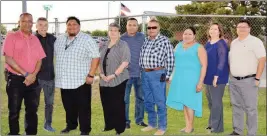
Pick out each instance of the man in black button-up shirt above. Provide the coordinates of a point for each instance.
(46, 75)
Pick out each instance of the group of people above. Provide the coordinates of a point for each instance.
(147, 63)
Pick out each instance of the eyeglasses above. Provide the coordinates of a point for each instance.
(152, 27)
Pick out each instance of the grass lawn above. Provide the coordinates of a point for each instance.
(175, 118)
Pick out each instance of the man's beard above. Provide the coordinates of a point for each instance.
(72, 34)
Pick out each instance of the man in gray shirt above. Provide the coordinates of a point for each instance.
(247, 58)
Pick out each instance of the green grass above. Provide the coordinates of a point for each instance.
(175, 118)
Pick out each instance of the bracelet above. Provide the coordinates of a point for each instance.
(26, 74)
(90, 76)
(257, 79)
(115, 75)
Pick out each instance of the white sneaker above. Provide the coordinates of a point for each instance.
(148, 128)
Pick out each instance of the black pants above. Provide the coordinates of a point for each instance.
(77, 104)
(112, 99)
(17, 91)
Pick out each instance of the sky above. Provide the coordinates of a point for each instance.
(83, 10)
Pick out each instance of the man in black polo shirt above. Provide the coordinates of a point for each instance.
(46, 74)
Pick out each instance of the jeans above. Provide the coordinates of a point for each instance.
(155, 95)
(49, 91)
(139, 100)
(16, 92)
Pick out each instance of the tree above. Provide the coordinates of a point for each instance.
(123, 23)
(15, 29)
(99, 33)
(3, 29)
(178, 24)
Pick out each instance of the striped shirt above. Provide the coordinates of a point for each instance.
(73, 59)
(118, 53)
(157, 53)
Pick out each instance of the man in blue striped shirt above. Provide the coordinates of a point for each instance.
(77, 57)
(135, 41)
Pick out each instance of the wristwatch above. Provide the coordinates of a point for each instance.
(26, 74)
(90, 76)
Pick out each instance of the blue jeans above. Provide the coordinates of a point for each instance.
(139, 100)
(49, 91)
(155, 94)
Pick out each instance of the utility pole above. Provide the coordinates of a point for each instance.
(24, 6)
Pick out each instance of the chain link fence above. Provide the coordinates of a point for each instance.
(172, 26)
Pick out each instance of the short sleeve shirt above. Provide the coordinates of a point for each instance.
(26, 51)
(73, 59)
(244, 55)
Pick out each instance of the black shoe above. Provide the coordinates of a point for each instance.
(208, 127)
(66, 130)
(84, 133)
(127, 126)
(142, 124)
(234, 133)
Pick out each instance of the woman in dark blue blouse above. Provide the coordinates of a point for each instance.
(217, 76)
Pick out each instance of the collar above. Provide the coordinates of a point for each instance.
(77, 35)
(22, 35)
(116, 44)
(245, 38)
(126, 34)
(155, 37)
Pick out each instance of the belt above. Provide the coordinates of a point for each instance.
(153, 69)
(240, 78)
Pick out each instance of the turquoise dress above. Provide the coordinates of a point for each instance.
(185, 79)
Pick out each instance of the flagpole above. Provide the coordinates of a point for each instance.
(120, 15)
(108, 12)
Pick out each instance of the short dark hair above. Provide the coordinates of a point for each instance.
(25, 13)
(42, 19)
(192, 29)
(244, 21)
(132, 19)
(73, 18)
(115, 25)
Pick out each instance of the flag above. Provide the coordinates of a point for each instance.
(124, 8)
(123, 14)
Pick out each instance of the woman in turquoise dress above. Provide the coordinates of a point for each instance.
(187, 80)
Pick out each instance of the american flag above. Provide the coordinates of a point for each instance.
(124, 8)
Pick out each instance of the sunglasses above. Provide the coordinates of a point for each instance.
(151, 27)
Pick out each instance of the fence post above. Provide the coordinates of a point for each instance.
(56, 27)
(144, 19)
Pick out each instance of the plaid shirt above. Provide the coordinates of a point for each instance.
(73, 64)
(157, 53)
